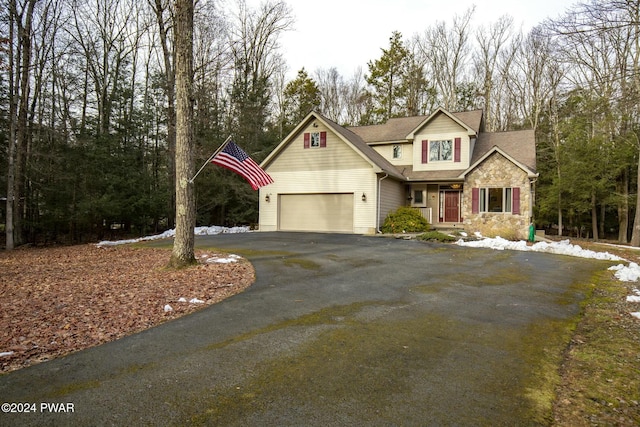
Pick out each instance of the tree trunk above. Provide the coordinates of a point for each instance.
(183, 246)
(623, 208)
(635, 235)
(594, 216)
(170, 81)
(18, 134)
(559, 215)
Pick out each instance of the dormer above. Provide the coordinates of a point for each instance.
(443, 141)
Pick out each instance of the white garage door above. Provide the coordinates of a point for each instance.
(316, 212)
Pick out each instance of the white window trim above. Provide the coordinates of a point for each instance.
(507, 200)
(314, 140)
(393, 151)
(439, 142)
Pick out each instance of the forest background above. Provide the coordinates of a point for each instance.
(88, 126)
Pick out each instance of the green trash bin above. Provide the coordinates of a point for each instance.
(532, 233)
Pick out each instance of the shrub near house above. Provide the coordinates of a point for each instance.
(405, 220)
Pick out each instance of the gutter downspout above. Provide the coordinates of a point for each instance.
(386, 175)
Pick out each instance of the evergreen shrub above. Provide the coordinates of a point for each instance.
(405, 220)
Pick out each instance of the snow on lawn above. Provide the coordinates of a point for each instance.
(629, 273)
(199, 231)
(558, 248)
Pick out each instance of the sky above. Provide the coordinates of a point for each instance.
(347, 34)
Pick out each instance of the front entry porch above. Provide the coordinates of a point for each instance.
(440, 204)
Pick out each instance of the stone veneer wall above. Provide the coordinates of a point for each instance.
(498, 171)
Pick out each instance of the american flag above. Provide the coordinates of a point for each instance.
(234, 158)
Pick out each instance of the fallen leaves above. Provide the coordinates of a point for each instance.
(59, 300)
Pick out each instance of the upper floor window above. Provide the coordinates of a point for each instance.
(315, 139)
(440, 150)
(397, 151)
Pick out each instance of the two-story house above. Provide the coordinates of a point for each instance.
(332, 178)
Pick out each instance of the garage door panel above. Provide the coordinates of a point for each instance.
(316, 212)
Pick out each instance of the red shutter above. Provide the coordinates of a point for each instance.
(425, 150)
(323, 139)
(307, 140)
(515, 205)
(475, 200)
(456, 150)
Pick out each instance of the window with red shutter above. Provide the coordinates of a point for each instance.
(323, 139)
(515, 206)
(456, 150)
(307, 140)
(425, 150)
(475, 200)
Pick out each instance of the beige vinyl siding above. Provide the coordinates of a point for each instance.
(441, 128)
(392, 196)
(386, 150)
(442, 124)
(356, 181)
(337, 155)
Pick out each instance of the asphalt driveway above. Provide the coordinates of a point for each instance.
(337, 330)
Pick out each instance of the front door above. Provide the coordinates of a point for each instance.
(451, 206)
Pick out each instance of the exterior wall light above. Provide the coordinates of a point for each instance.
(364, 197)
(267, 198)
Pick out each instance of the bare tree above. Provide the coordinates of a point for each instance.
(533, 74)
(254, 49)
(20, 58)
(447, 51)
(330, 84)
(491, 42)
(601, 39)
(356, 99)
(103, 30)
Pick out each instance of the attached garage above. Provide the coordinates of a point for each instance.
(316, 212)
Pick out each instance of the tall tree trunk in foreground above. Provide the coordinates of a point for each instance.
(183, 246)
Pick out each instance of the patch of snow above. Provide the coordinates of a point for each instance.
(198, 231)
(196, 301)
(231, 258)
(183, 299)
(633, 298)
(630, 273)
(167, 308)
(636, 314)
(6, 353)
(558, 248)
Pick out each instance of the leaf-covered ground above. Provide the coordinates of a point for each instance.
(58, 300)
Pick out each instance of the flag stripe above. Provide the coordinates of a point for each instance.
(235, 159)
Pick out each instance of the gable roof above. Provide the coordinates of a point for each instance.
(519, 146)
(369, 154)
(394, 130)
(473, 116)
(402, 129)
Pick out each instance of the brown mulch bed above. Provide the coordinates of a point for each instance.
(55, 301)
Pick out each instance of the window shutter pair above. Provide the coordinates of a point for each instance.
(515, 203)
(457, 148)
(323, 139)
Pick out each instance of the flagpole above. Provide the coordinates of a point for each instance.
(224, 144)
